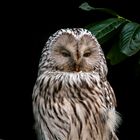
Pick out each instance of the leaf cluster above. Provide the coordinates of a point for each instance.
(125, 32)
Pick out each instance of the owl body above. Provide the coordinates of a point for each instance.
(72, 99)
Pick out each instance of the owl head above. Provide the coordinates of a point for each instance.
(72, 50)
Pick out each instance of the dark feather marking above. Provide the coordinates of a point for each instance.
(90, 131)
(47, 101)
(95, 121)
(61, 128)
(35, 98)
(78, 118)
(56, 138)
(73, 120)
(41, 84)
(97, 104)
(65, 113)
(89, 105)
(54, 110)
(87, 96)
(61, 99)
(50, 115)
(56, 90)
(86, 107)
(96, 109)
(47, 85)
(45, 122)
(60, 111)
(43, 111)
(101, 98)
(73, 94)
(61, 120)
(96, 127)
(60, 86)
(80, 95)
(69, 85)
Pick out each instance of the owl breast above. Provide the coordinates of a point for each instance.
(75, 107)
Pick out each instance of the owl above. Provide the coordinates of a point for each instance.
(72, 98)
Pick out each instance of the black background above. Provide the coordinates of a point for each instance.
(24, 30)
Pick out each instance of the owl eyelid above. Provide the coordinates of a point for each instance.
(65, 53)
(87, 54)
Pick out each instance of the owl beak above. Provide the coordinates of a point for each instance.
(77, 63)
(77, 68)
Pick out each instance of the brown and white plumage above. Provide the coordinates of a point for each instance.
(72, 99)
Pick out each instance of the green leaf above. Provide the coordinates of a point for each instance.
(114, 55)
(88, 26)
(85, 6)
(105, 29)
(130, 39)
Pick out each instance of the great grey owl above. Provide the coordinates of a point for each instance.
(72, 98)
